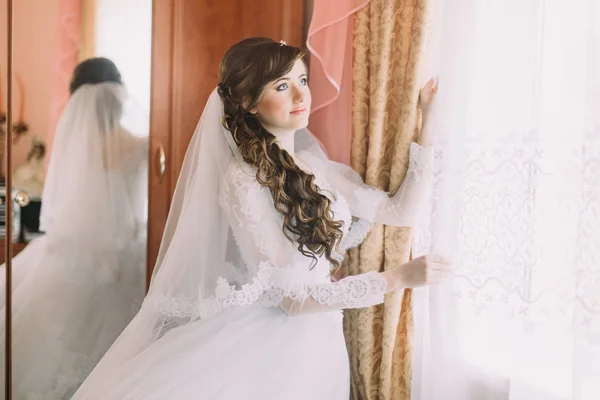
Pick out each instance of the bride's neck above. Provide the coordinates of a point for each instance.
(285, 141)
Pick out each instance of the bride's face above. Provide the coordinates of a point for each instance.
(285, 103)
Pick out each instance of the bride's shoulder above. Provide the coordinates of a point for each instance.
(242, 175)
(240, 182)
(240, 170)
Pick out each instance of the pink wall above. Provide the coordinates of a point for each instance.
(35, 33)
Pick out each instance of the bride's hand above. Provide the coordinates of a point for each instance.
(428, 93)
(427, 96)
(425, 270)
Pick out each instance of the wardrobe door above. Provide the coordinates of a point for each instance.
(189, 39)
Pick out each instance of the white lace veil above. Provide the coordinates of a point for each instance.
(197, 246)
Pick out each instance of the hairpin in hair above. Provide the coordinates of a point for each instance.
(282, 43)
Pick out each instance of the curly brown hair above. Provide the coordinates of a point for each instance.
(245, 70)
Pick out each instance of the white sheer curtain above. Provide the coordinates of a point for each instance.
(516, 204)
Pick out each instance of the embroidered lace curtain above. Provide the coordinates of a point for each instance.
(516, 203)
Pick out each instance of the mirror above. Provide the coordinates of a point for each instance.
(81, 101)
(4, 40)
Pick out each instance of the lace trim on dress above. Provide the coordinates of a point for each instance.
(420, 161)
(356, 234)
(269, 288)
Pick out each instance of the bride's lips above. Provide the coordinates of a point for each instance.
(299, 111)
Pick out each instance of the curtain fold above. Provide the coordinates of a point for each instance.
(386, 77)
(329, 41)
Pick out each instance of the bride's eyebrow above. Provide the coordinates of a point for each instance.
(285, 78)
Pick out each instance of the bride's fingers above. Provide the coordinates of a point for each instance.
(440, 264)
(432, 85)
(441, 271)
(446, 273)
(429, 87)
(434, 258)
(437, 276)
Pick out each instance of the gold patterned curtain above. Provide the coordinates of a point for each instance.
(88, 27)
(388, 47)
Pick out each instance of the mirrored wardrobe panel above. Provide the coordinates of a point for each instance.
(4, 83)
(79, 171)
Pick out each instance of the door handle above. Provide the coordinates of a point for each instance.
(162, 163)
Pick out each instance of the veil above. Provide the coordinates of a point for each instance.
(197, 248)
(92, 203)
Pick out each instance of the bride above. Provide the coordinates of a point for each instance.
(241, 304)
(78, 286)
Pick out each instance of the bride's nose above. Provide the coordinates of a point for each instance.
(298, 95)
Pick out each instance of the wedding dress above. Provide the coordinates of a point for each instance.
(78, 286)
(235, 311)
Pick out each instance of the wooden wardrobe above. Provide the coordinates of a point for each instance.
(189, 39)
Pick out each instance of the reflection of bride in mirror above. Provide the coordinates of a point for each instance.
(76, 288)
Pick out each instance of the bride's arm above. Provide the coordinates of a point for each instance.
(375, 205)
(280, 275)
